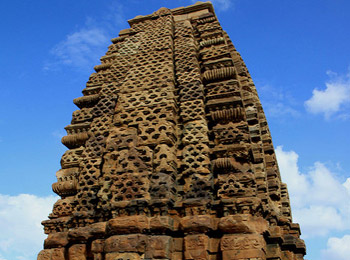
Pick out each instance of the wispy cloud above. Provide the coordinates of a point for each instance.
(221, 5)
(332, 100)
(320, 201)
(22, 235)
(277, 103)
(82, 48)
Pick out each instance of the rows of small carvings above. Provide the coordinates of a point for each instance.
(154, 71)
(250, 105)
(150, 97)
(151, 42)
(165, 22)
(231, 157)
(214, 52)
(135, 167)
(263, 160)
(89, 127)
(125, 45)
(66, 187)
(220, 69)
(140, 164)
(116, 63)
(205, 18)
(128, 47)
(195, 181)
(273, 175)
(90, 175)
(212, 41)
(134, 116)
(209, 27)
(213, 46)
(250, 101)
(186, 56)
(241, 68)
(114, 73)
(216, 61)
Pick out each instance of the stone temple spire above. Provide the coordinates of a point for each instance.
(169, 154)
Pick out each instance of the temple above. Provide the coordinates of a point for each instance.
(169, 154)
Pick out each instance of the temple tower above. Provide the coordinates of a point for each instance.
(169, 154)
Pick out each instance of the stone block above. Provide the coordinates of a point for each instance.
(97, 256)
(178, 244)
(80, 234)
(163, 223)
(97, 246)
(45, 254)
(126, 243)
(123, 256)
(177, 256)
(127, 225)
(243, 254)
(58, 254)
(198, 223)
(159, 247)
(59, 239)
(273, 251)
(243, 223)
(214, 245)
(242, 242)
(77, 252)
(196, 247)
(98, 229)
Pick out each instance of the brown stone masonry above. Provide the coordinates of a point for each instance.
(170, 155)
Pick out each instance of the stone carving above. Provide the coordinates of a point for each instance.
(169, 153)
(195, 132)
(67, 182)
(63, 207)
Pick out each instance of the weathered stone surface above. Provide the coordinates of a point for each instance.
(163, 223)
(169, 154)
(123, 256)
(77, 252)
(59, 239)
(196, 247)
(45, 254)
(130, 224)
(58, 254)
(243, 223)
(159, 247)
(97, 246)
(201, 223)
(126, 243)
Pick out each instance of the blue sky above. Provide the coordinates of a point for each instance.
(298, 53)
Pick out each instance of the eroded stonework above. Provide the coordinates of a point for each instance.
(170, 155)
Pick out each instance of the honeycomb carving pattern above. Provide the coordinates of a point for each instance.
(169, 154)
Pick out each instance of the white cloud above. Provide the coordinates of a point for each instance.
(222, 5)
(22, 235)
(347, 185)
(320, 202)
(337, 248)
(83, 48)
(331, 100)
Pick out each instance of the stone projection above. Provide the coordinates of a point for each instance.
(169, 154)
